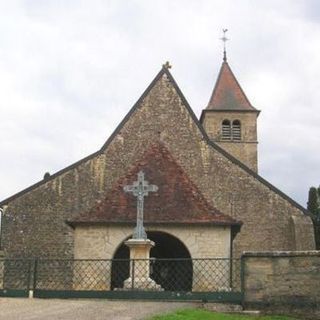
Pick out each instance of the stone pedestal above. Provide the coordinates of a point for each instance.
(140, 266)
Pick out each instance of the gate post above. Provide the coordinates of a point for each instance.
(132, 274)
(242, 274)
(231, 273)
(29, 279)
(34, 277)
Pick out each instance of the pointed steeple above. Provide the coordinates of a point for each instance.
(230, 120)
(227, 93)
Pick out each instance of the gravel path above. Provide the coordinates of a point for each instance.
(82, 309)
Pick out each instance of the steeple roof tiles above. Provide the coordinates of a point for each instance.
(228, 94)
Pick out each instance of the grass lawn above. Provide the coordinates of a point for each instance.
(198, 314)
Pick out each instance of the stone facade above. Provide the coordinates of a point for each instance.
(101, 242)
(245, 149)
(283, 282)
(34, 220)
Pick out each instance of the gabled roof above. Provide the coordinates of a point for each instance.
(163, 71)
(177, 200)
(228, 94)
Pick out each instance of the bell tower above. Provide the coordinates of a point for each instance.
(230, 120)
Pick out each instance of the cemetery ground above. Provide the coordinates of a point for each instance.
(98, 309)
(83, 309)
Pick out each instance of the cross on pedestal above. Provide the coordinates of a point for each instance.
(140, 189)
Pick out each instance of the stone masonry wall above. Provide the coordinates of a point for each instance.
(283, 282)
(244, 150)
(34, 222)
(101, 242)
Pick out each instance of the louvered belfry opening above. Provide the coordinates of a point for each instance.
(226, 130)
(236, 130)
(231, 131)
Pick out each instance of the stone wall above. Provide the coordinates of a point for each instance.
(101, 242)
(34, 221)
(283, 282)
(246, 149)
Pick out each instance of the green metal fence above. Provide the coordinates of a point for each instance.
(165, 279)
(15, 277)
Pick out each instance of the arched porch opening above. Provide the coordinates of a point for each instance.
(171, 275)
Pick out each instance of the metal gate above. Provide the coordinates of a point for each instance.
(163, 279)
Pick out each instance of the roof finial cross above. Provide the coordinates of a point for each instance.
(224, 39)
(167, 65)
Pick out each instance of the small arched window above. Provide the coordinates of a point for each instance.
(226, 130)
(236, 130)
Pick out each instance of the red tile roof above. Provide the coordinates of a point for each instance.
(227, 93)
(177, 200)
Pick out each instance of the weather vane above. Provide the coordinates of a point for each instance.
(224, 39)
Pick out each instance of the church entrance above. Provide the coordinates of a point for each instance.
(171, 264)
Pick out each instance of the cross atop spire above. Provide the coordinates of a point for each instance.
(224, 39)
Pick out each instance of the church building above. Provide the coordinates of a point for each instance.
(210, 201)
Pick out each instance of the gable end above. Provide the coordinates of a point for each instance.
(163, 71)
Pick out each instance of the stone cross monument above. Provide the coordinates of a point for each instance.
(139, 245)
(140, 189)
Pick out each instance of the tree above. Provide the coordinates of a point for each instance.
(313, 201)
(314, 208)
(319, 200)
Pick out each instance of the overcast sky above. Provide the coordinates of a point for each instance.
(71, 70)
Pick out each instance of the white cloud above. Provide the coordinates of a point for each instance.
(71, 70)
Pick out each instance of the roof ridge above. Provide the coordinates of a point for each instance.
(162, 71)
(96, 153)
(239, 85)
(198, 124)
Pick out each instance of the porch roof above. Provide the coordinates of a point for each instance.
(177, 201)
